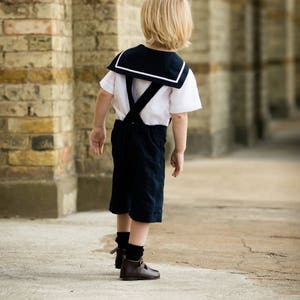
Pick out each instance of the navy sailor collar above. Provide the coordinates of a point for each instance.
(163, 67)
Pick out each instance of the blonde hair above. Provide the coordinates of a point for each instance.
(167, 24)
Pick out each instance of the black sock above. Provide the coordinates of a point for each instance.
(122, 239)
(134, 252)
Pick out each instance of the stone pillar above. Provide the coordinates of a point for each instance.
(280, 52)
(95, 42)
(197, 56)
(296, 18)
(221, 125)
(290, 57)
(242, 71)
(36, 109)
(261, 57)
(211, 130)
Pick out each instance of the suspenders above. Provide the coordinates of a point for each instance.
(135, 108)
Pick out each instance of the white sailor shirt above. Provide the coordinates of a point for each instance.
(177, 95)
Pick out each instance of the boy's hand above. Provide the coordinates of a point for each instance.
(177, 160)
(97, 138)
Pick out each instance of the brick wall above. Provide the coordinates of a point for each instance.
(36, 108)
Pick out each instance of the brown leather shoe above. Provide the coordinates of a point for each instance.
(137, 270)
(121, 255)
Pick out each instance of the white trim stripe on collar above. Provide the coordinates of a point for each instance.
(147, 74)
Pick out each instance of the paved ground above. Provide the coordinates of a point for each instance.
(231, 231)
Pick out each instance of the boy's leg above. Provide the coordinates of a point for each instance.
(138, 233)
(123, 223)
(133, 267)
(137, 240)
(123, 230)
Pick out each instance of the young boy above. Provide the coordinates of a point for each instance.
(147, 85)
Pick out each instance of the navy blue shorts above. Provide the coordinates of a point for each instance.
(139, 170)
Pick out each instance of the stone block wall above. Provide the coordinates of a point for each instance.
(129, 29)
(36, 109)
(245, 55)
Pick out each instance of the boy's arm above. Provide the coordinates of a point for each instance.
(98, 134)
(179, 125)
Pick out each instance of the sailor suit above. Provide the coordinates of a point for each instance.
(147, 86)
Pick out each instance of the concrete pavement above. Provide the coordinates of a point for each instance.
(231, 230)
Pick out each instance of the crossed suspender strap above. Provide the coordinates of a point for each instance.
(136, 108)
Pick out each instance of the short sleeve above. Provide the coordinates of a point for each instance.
(185, 99)
(108, 82)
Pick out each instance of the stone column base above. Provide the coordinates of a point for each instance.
(213, 145)
(280, 109)
(93, 192)
(39, 198)
(245, 135)
(298, 102)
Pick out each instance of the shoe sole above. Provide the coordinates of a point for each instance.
(138, 278)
